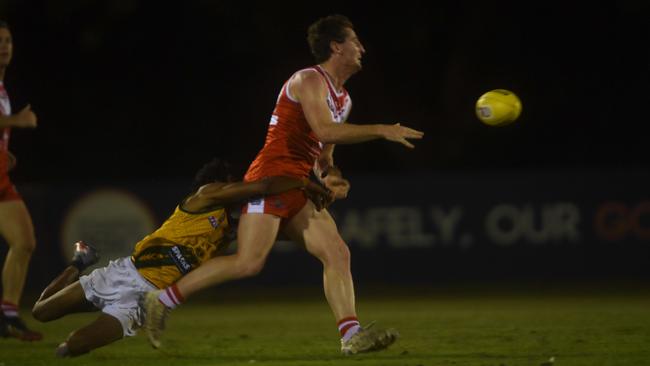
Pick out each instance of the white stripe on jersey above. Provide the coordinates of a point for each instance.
(287, 92)
(5, 105)
(329, 81)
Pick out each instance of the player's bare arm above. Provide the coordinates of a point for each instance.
(227, 193)
(310, 90)
(325, 160)
(314, 193)
(329, 174)
(26, 118)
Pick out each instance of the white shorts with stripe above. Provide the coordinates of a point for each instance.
(118, 290)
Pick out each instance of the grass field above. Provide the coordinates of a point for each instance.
(495, 327)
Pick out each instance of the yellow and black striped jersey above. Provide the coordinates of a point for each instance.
(182, 243)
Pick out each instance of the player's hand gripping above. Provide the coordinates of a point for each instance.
(319, 195)
(25, 118)
(335, 182)
(399, 133)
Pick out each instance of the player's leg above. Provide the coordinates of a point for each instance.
(69, 275)
(64, 295)
(71, 299)
(83, 257)
(117, 290)
(318, 232)
(256, 234)
(17, 229)
(104, 330)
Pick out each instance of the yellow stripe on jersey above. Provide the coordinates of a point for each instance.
(182, 243)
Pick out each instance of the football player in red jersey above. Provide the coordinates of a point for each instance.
(15, 222)
(306, 123)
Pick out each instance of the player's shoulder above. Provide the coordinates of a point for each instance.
(201, 199)
(308, 77)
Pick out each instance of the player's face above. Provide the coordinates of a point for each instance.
(6, 47)
(352, 49)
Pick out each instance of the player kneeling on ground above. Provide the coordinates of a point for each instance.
(199, 229)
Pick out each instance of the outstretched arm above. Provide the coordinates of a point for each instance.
(310, 90)
(223, 194)
(25, 118)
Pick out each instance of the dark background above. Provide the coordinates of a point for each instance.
(135, 96)
(146, 90)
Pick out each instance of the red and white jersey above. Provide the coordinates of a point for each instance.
(291, 147)
(5, 110)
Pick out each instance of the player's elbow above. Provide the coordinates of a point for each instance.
(328, 139)
(327, 134)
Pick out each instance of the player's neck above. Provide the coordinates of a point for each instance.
(2, 73)
(338, 75)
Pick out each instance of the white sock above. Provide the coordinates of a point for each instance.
(348, 327)
(171, 297)
(9, 310)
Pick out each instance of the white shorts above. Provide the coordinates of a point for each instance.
(118, 290)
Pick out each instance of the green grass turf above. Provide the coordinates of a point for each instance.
(439, 327)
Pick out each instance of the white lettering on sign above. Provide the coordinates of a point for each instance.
(506, 224)
(446, 222)
(401, 227)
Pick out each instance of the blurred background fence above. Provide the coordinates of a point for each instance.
(427, 228)
(134, 96)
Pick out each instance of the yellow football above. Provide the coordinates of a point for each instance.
(498, 107)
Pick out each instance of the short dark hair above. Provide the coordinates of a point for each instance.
(216, 170)
(4, 24)
(325, 30)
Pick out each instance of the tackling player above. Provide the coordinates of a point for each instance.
(198, 229)
(15, 221)
(306, 123)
